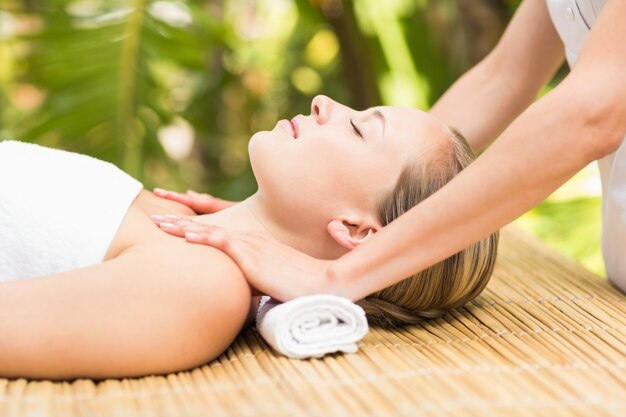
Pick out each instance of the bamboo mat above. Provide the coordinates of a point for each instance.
(545, 338)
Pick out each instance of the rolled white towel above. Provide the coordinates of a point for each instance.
(311, 326)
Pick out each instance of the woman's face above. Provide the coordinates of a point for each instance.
(338, 160)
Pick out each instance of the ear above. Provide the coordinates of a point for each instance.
(350, 233)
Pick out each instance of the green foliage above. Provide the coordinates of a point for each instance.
(572, 226)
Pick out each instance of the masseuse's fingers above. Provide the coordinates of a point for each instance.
(180, 226)
(200, 233)
(200, 203)
(270, 267)
(175, 225)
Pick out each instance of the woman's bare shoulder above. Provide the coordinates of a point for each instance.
(136, 228)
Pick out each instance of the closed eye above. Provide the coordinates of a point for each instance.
(356, 129)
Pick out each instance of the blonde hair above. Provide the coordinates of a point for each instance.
(448, 284)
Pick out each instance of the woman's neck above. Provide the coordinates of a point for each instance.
(252, 215)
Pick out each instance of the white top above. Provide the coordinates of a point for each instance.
(573, 19)
(58, 210)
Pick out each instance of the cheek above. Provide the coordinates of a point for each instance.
(368, 175)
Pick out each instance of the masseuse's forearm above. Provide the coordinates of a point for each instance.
(484, 101)
(544, 147)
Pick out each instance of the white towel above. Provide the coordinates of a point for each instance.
(58, 210)
(311, 326)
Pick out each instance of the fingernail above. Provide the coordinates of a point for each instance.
(192, 192)
(192, 236)
(159, 191)
(167, 225)
(171, 216)
(157, 218)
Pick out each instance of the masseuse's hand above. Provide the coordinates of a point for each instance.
(200, 203)
(269, 266)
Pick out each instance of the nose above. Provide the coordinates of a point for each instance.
(321, 107)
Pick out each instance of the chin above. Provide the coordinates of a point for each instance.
(255, 148)
(269, 161)
(263, 145)
(254, 139)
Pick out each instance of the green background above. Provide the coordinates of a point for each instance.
(171, 91)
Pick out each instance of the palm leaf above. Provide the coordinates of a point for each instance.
(97, 71)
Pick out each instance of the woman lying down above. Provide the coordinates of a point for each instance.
(91, 287)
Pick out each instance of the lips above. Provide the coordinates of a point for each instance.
(291, 126)
(294, 125)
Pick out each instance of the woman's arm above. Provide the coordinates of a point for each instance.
(581, 120)
(487, 98)
(140, 313)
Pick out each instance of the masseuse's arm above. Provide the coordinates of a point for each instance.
(581, 120)
(487, 98)
(140, 313)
